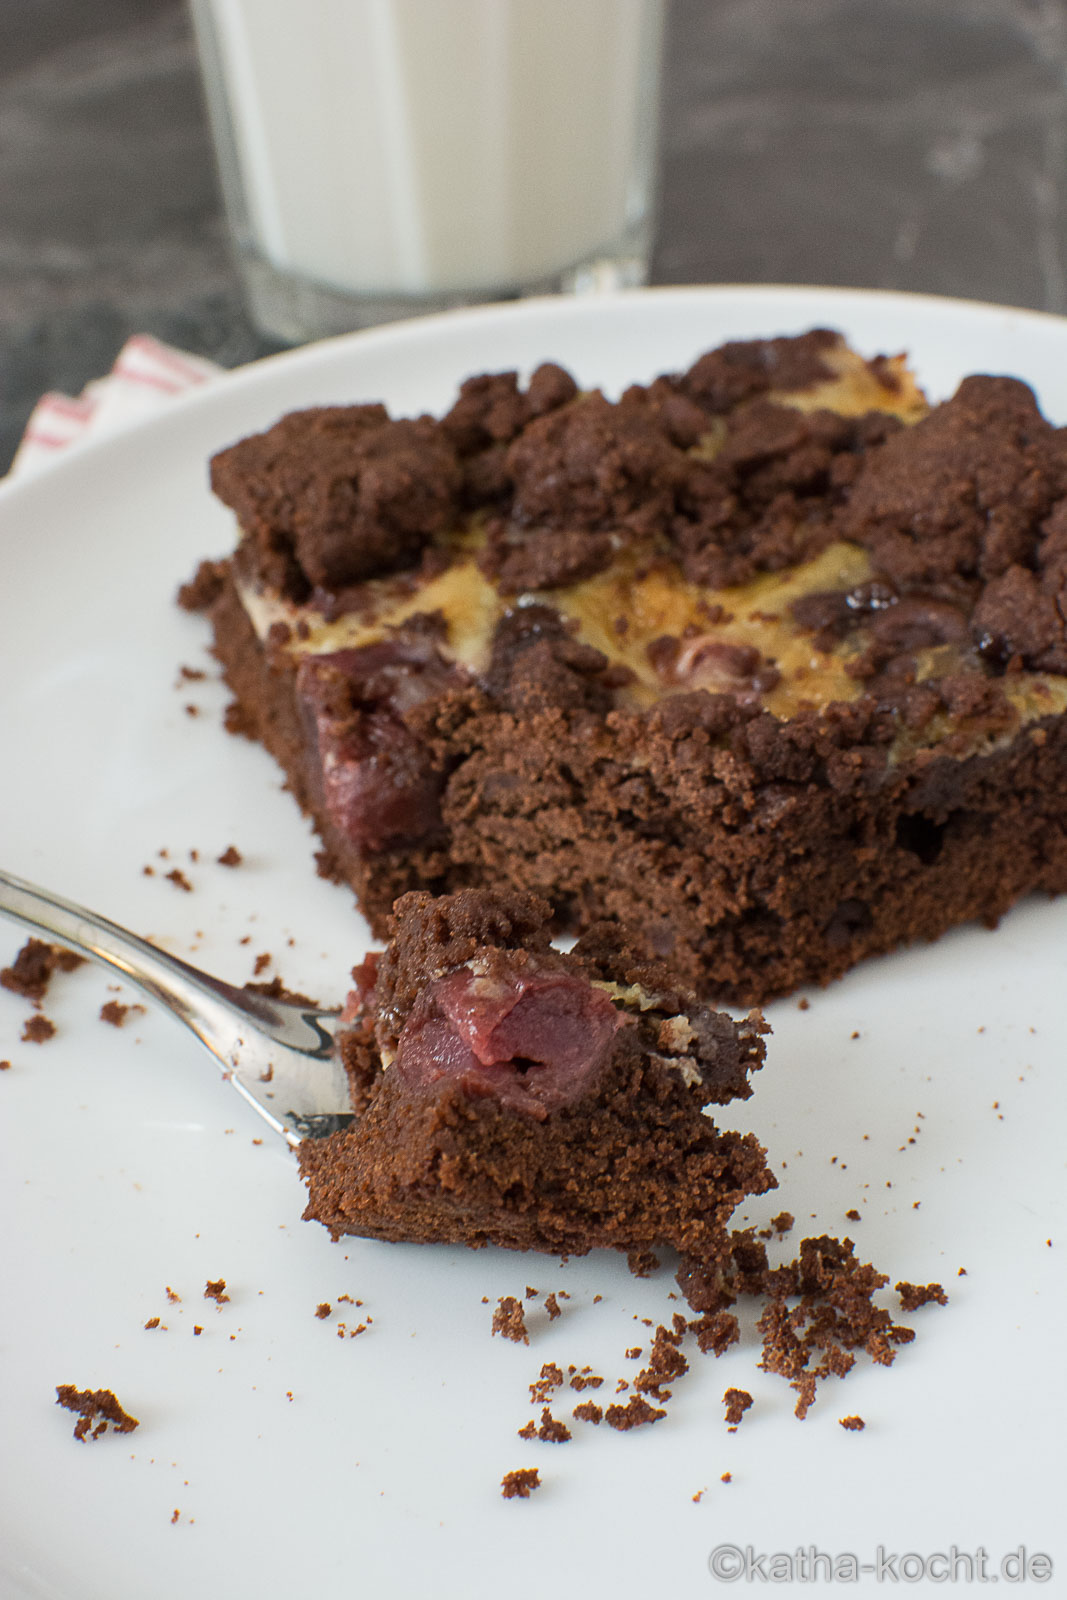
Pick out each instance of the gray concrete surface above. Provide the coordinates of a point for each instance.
(913, 144)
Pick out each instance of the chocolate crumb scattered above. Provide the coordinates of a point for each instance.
(153, 1322)
(5, 1066)
(230, 857)
(914, 1295)
(323, 1309)
(263, 961)
(666, 1364)
(853, 1424)
(34, 967)
(520, 1483)
(114, 1012)
(783, 1223)
(509, 1321)
(551, 1379)
(633, 1352)
(727, 1477)
(275, 989)
(805, 1385)
(197, 1331)
(634, 1414)
(588, 1411)
(818, 1309)
(586, 1380)
(175, 1514)
(803, 1004)
(737, 1402)
(642, 1263)
(531, 1294)
(171, 1296)
(552, 1307)
(177, 877)
(90, 1404)
(215, 1289)
(853, 1215)
(716, 1331)
(529, 1431)
(552, 1431)
(38, 1029)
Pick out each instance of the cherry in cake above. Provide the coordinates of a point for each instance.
(518, 1096)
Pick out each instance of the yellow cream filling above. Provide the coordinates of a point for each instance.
(621, 612)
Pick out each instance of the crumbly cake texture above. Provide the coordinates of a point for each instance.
(818, 1310)
(766, 658)
(532, 1099)
(94, 1406)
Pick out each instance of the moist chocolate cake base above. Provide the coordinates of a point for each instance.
(780, 861)
(622, 1173)
(579, 1121)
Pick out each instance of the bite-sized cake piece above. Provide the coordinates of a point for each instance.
(517, 1096)
(766, 658)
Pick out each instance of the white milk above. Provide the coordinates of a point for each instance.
(430, 146)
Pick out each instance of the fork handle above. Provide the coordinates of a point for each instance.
(163, 977)
(255, 1038)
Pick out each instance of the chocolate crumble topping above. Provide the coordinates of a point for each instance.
(338, 494)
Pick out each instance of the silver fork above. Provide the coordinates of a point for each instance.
(278, 1055)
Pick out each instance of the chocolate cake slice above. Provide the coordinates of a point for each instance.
(517, 1096)
(766, 658)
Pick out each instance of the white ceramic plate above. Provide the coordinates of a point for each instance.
(301, 1463)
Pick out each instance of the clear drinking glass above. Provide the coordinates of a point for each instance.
(381, 158)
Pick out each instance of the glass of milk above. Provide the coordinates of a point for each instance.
(382, 158)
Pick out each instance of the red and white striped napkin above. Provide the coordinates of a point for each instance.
(147, 374)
